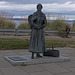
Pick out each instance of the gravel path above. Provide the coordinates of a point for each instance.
(71, 38)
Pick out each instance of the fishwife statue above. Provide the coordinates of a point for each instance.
(37, 22)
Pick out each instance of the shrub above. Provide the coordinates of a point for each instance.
(48, 26)
(4, 23)
(57, 25)
(73, 27)
(24, 26)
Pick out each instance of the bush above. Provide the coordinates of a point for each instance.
(4, 24)
(73, 27)
(24, 26)
(62, 33)
(57, 25)
(48, 26)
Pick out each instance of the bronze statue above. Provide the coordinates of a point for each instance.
(37, 22)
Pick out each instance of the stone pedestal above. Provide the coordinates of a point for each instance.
(19, 60)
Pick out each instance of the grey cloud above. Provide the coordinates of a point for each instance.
(54, 6)
(38, 1)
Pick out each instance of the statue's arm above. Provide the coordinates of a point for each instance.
(44, 23)
(34, 24)
(29, 20)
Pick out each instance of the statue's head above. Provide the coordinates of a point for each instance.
(39, 7)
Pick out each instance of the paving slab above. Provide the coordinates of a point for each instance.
(13, 71)
(41, 73)
(72, 69)
(1, 73)
(4, 64)
(19, 60)
(72, 58)
(54, 68)
(9, 53)
(23, 52)
(32, 68)
(1, 55)
(59, 68)
(69, 73)
(67, 64)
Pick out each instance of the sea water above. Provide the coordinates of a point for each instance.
(18, 21)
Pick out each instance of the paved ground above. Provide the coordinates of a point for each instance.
(64, 68)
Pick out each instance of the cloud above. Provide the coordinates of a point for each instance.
(18, 7)
(48, 7)
(3, 2)
(38, 1)
(56, 7)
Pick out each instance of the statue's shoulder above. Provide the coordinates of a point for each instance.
(43, 15)
(35, 14)
(29, 18)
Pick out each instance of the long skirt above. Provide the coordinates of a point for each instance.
(37, 41)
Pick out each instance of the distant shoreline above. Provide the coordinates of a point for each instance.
(18, 20)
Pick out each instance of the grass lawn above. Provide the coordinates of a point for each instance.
(13, 43)
(16, 43)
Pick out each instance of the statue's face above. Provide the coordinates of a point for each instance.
(39, 7)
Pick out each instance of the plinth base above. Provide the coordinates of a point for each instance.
(19, 60)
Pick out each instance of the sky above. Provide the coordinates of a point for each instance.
(27, 7)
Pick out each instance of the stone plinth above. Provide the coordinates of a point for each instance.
(19, 60)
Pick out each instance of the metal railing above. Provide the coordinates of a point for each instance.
(17, 32)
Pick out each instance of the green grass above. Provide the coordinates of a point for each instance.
(60, 43)
(14, 43)
(24, 43)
